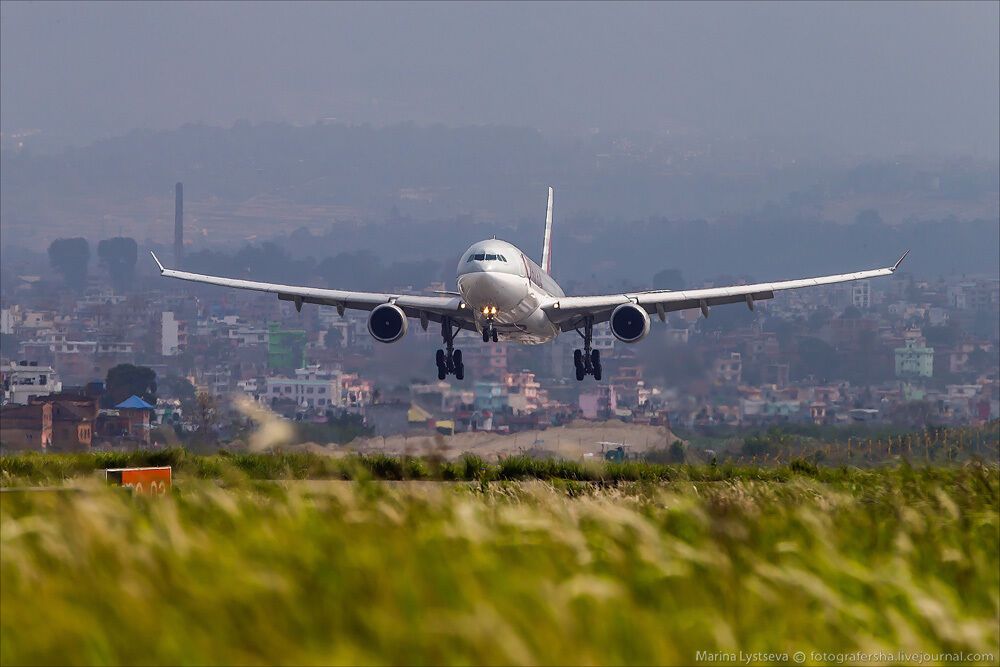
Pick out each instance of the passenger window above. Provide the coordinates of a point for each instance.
(480, 257)
(491, 258)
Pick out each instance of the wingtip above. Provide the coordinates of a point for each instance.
(158, 263)
(900, 260)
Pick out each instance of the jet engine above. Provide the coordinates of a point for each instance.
(629, 323)
(387, 323)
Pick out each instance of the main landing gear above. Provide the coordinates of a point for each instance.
(587, 361)
(449, 360)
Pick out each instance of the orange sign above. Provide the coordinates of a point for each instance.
(142, 481)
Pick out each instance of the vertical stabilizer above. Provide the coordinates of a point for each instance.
(547, 242)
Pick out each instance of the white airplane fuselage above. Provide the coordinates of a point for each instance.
(505, 289)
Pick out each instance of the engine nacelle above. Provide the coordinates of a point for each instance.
(629, 323)
(387, 323)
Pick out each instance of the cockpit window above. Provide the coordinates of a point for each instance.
(485, 257)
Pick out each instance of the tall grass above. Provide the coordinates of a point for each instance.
(501, 572)
(35, 469)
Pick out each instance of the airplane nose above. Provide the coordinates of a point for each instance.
(499, 290)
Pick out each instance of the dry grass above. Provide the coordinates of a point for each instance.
(501, 572)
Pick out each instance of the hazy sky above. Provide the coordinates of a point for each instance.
(876, 77)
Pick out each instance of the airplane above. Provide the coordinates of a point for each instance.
(505, 296)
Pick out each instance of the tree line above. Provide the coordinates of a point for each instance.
(71, 259)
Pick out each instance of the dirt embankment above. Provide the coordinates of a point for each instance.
(572, 441)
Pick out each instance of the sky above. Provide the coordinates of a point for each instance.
(860, 78)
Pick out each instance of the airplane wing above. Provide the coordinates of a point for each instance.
(569, 312)
(424, 308)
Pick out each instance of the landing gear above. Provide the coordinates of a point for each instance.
(489, 332)
(587, 361)
(449, 360)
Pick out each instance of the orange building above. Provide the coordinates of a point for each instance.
(73, 418)
(26, 426)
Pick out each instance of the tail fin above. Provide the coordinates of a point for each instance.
(547, 242)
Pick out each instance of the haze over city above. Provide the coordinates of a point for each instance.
(857, 78)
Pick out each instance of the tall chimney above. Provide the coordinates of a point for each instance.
(179, 225)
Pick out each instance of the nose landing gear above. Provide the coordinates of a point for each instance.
(489, 331)
(449, 360)
(587, 361)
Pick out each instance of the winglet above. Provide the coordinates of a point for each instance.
(547, 240)
(899, 261)
(157, 262)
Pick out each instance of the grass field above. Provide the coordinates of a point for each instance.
(495, 570)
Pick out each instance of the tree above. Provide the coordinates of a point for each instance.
(175, 386)
(945, 335)
(818, 358)
(70, 258)
(727, 318)
(818, 319)
(676, 452)
(118, 255)
(334, 338)
(756, 445)
(765, 444)
(912, 413)
(851, 313)
(205, 415)
(668, 279)
(126, 380)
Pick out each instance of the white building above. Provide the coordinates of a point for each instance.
(312, 387)
(861, 294)
(9, 318)
(246, 335)
(169, 334)
(22, 380)
(604, 340)
(114, 347)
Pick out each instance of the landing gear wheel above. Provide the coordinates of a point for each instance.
(449, 360)
(587, 361)
(494, 334)
(486, 334)
(441, 365)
